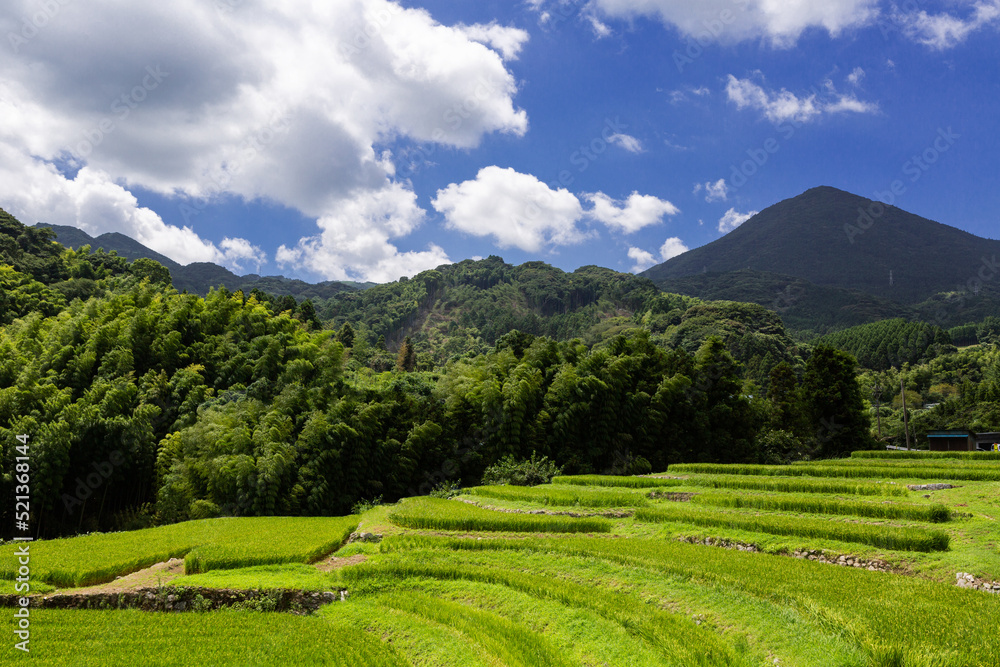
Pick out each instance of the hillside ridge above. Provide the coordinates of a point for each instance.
(199, 277)
(837, 239)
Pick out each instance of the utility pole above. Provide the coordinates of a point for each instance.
(906, 421)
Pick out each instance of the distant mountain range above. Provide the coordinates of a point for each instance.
(829, 259)
(199, 277)
(824, 260)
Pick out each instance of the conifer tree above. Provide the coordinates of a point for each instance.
(833, 404)
(406, 359)
(346, 335)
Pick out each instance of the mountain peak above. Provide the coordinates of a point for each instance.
(835, 238)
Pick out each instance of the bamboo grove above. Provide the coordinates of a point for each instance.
(144, 403)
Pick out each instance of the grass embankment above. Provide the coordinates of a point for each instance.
(922, 464)
(882, 536)
(617, 481)
(873, 471)
(725, 481)
(440, 514)
(811, 504)
(562, 497)
(798, 485)
(293, 576)
(890, 454)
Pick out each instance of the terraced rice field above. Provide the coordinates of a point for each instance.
(504, 576)
(204, 545)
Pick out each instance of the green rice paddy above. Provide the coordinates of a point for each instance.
(503, 576)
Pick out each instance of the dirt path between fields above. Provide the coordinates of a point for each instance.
(164, 573)
(333, 563)
(154, 576)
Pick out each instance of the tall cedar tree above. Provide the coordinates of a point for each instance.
(784, 399)
(833, 404)
(406, 360)
(732, 419)
(346, 335)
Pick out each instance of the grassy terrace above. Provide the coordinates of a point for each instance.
(883, 455)
(873, 470)
(566, 496)
(485, 579)
(816, 504)
(440, 514)
(204, 545)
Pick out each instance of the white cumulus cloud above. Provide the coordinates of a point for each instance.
(731, 219)
(780, 23)
(629, 143)
(945, 31)
(777, 107)
(601, 29)
(717, 191)
(507, 40)
(849, 104)
(34, 191)
(355, 242)
(671, 248)
(259, 99)
(643, 259)
(242, 254)
(783, 105)
(635, 213)
(516, 209)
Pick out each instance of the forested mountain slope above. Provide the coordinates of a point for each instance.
(882, 345)
(803, 306)
(465, 308)
(198, 277)
(487, 298)
(836, 239)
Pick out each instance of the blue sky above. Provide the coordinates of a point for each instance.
(367, 139)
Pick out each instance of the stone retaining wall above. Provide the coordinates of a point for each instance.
(966, 580)
(183, 598)
(818, 556)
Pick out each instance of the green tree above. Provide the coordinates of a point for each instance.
(144, 268)
(988, 331)
(732, 421)
(406, 359)
(285, 303)
(346, 335)
(784, 400)
(833, 404)
(307, 313)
